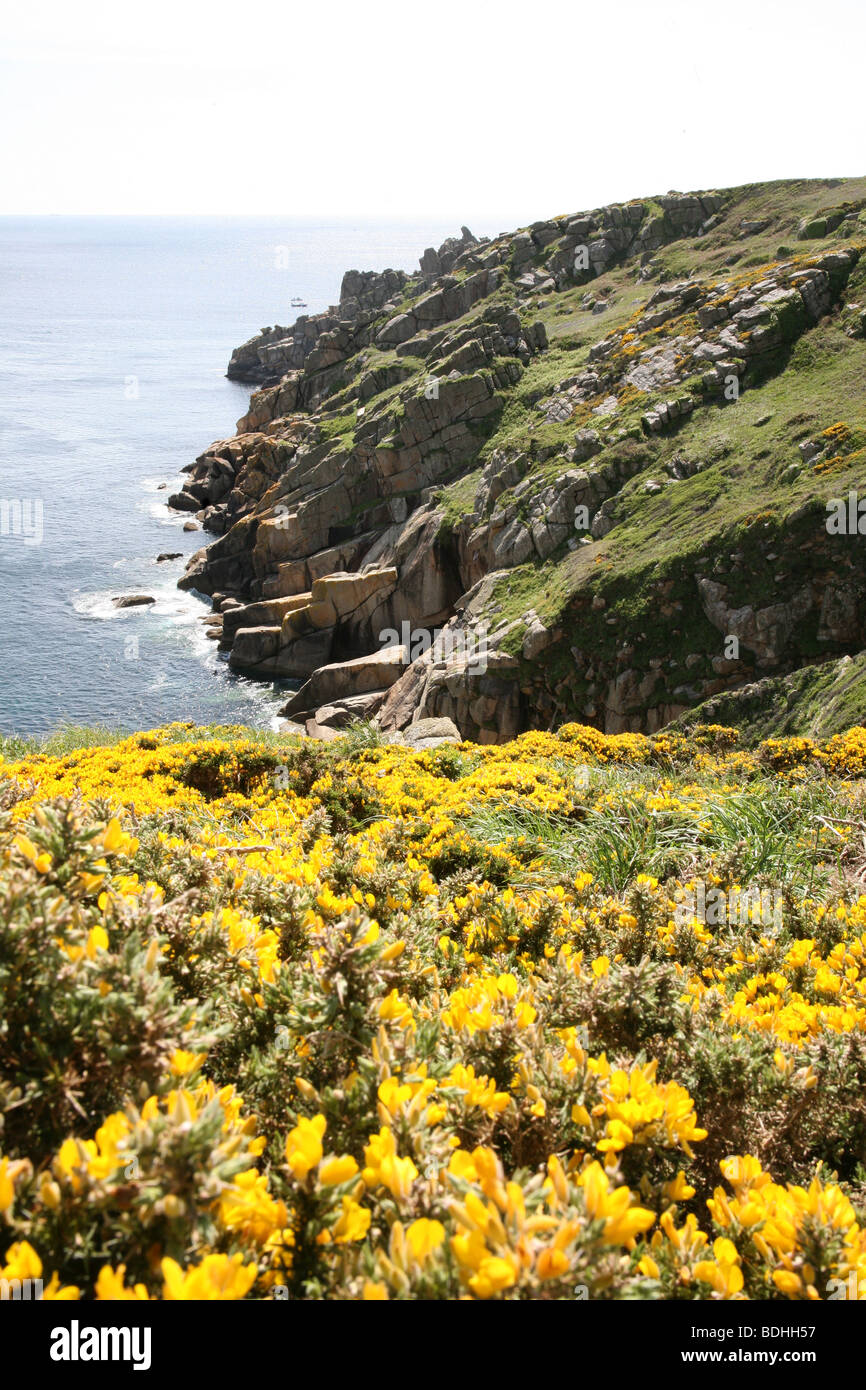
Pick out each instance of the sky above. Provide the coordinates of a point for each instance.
(466, 109)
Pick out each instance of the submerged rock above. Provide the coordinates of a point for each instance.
(133, 600)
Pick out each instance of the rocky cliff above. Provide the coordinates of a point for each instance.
(588, 470)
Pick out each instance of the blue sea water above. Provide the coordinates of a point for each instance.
(114, 338)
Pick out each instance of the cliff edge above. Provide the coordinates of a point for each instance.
(605, 468)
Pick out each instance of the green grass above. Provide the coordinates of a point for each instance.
(341, 426)
(457, 498)
(713, 514)
(67, 739)
(764, 833)
(815, 702)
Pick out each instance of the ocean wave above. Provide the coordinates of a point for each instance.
(169, 602)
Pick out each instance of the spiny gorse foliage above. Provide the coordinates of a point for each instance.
(351, 1021)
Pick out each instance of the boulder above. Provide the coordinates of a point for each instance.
(476, 689)
(254, 648)
(342, 712)
(345, 593)
(430, 733)
(184, 502)
(763, 631)
(404, 697)
(341, 679)
(397, 330)
(133, 600)
(538, 638)
(320, 731)
(267, 613)
(298, 659)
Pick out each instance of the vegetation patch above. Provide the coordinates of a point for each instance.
(573, 1015)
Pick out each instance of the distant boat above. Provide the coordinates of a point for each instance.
(298, 303)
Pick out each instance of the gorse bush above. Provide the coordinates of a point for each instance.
(284, 1019)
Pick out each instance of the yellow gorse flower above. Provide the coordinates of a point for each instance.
(217, 1277)
(457, 1036)
(304, 1145)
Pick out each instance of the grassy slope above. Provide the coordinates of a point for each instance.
(748, 491)
(814, 702)
(824, 380)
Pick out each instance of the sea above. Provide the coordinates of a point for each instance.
(115, 334)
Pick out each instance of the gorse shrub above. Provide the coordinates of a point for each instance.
(352, 1021)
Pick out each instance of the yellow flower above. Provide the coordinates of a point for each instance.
(424, 1236)
(337, 1170)
(678, 1190)
(382, 1166)
(353, 1224)
(552, 1263)
(622, 1221)
(185, 1063)
(115, 841)
(111, 1285)
(392, 1094)
(246, 1206)
(304, 1145)
(788, 1283)
(394, 1008)
(494, 1275)
(7, 1184)
(398, 1175)
(216, 1278)
(41, 860)
(462, 1166)
(374, 1293)
(724, 1275)
(22, 1262)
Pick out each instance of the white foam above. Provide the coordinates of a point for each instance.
(162, 484)
(170, 602)
(96, 605)
(158, 510)
(155, 503)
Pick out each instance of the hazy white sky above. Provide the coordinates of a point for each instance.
(464, 109)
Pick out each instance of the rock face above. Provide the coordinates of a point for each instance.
(764, 632)
(512, 409)
(342, 679)
(291, 637)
